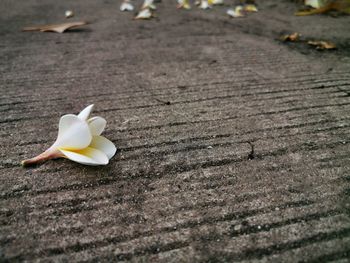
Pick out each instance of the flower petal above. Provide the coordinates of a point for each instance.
(144, 14)
(73, 133)
(97, 125)
(84, 114)
(104, 145)
(126, 6)
(88, 156)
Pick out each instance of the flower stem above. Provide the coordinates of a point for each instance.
(47, 155)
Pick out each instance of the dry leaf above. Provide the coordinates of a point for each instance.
(59, 28)
(292, 37)
(321, 45)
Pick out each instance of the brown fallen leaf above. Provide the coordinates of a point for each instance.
(291, 37)
(321, 45)
(59, 28)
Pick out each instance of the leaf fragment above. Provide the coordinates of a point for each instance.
(322, 45)
(58, 28)
(291, 37)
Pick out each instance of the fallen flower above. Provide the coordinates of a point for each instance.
(237, 12)
(183, 4)
(79, 139)
(250, 8)
(69, 13)
(292, 37)
(321, 45)
(341, 6)
(204, 5)
(144, 14)
(315, 3)
(126, 6)
(58, 28)
(215, 2)
(148, 4)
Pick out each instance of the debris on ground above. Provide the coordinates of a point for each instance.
(250, 8)
(340, 6)
(183, 4)
(321, 45)
(58, 28)
(148, 4)
(69, 13)
(204, 4)
(126, 6)
(291, 37)
(237, 12)
(144, 14)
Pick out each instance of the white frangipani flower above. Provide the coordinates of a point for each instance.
(250, 8)
(204, 5)
(126, 6)
(148, 4)
(144, 14)
(315, 3)
(216, 2)
(237, 12)
(183, 4)
(69, 13)
(79, 139)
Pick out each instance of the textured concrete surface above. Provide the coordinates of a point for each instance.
(186, 96)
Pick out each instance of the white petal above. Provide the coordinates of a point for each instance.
(104, 145)
(148, 4)
(73, 133)
(126, 7)
(315, 3)
(88, 156)
(97, 125)
(85, 113)
(237, 12)
(144, 14)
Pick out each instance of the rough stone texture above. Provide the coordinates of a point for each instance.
(185, 96)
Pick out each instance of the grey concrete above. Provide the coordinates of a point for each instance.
(185, 97)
